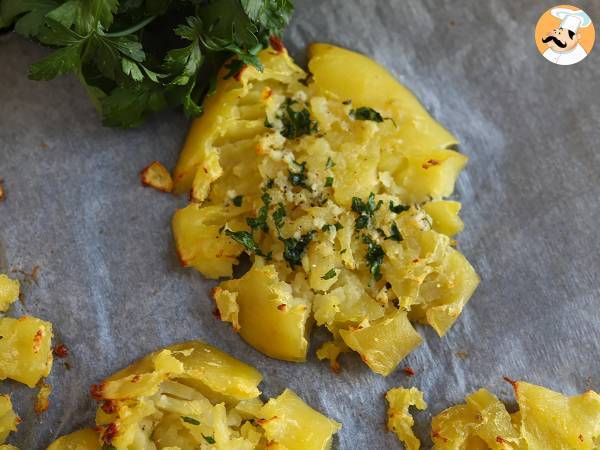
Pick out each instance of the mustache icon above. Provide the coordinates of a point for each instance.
(555, 40)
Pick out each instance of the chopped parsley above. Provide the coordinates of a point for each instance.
(295, 248)
(361, 222)
(374, 257)
(190, 420)
(278, 216)
(398, 208)
(296, 123)
(237, 200)
(366, 113)
(329, 164)
(329, 182)
(298, 178)
(395, 236)
(329, 226)
(365, 209)
(245, 239)
(209, 439)
(269, 184)
(260, 221)
(267, 123)
(329, 275)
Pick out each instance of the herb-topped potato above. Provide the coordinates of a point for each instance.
(334, 183)
(193, 396)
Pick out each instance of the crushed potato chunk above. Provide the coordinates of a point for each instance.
(334, 185)
(399, 419)
(545, 420)
(9, 292)
(25, 349)
(193, 396)
(157, 176)
(8, 418)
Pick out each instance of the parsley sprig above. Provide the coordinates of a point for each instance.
(136, 57)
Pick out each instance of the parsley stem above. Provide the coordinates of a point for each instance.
(131, 29)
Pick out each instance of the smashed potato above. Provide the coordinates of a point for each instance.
(9, 292)
(25, 349)
(399, 419)
(193, 396)
(8, 418)
(546, 420)
(333, 184)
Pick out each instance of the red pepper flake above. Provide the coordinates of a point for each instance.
(44, 145)
(61, 351)
(580, 437)
(511, 381)
(499, 440)
(437, 435)
(431, 163)
(217, 313)
(409, 371)
(109, 433)
(136, 378)
(2, 196)
(109, 407)
(96, 391)
(282, 307)
(276, 44)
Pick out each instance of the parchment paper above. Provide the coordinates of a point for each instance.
(111, 284)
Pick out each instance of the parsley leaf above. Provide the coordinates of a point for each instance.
(374, 257)
(245, 239)
(329, 182)
(209, 439)
(278, 216)
(260, 222)
(395, 236)
(295, 248)
(329, 164)
(329, 275)
(136, 57)
(190, 420)
(366, 113)
(398, 208)
(296, 122)
(365, 209)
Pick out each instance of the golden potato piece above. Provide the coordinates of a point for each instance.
(8, 418)
(25, 349)
(552, 421)
(42, 400)
(400, 421)
(200, 242)
(86, 439)
(383, 343)
(444, 214)
(294, 425)
(9, 292)
(194, 363)
(157, 176)
(270, 318)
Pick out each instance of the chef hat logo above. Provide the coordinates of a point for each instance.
(571, 20)
(565, 35)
